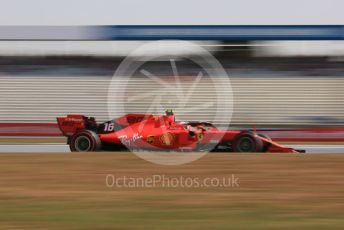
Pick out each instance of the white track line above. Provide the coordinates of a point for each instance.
(61, 148)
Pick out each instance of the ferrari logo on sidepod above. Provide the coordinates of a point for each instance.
(150, 139)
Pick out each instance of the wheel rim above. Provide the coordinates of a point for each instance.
(246, 144)
(82, 144)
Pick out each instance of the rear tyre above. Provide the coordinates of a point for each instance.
(247, 142)
(85, 141)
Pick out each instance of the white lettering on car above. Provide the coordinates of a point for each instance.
(129, 141)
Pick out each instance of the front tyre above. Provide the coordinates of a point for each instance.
(247, 142)
(85, 141)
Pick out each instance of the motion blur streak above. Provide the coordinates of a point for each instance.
(258, 100)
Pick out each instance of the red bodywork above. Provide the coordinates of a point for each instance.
(160, 132)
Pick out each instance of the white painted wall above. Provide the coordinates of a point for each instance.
(91, 48)
(171, 12)
(298, 48)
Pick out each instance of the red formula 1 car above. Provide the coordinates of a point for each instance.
(160, 132)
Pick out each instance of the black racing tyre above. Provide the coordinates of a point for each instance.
(264, 136)
(85, 141)
(247, 142)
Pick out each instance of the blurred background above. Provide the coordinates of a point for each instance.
(285, 61)
(279, 78)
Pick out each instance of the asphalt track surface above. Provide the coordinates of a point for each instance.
(61, 148)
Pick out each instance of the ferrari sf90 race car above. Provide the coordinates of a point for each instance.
(160, 133)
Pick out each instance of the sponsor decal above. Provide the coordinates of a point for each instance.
(150, 139)
(72, 119)
(167, 138)
(129, 141)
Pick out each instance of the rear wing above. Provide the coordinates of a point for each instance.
(73, 123)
